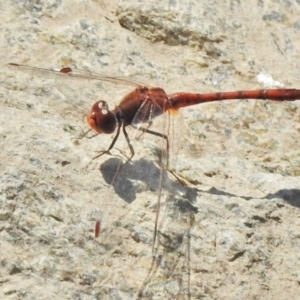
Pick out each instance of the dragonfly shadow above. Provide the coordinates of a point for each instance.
(170, 264)
(124, 178)
(291, 196)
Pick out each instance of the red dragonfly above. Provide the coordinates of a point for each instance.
(143, 104)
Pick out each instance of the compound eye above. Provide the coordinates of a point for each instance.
(101, 119)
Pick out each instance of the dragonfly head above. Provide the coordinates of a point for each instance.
(101, 119)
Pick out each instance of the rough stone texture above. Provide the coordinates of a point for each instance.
(232, 231)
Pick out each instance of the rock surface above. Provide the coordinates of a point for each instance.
(229, 223)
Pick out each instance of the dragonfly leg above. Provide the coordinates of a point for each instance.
(112, 143)
(148, 126)
(163, 136)
(129, 144)
(85, 133)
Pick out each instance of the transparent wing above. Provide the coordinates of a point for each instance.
(80, 87)
(141, 183)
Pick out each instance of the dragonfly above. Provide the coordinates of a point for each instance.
(143, 104)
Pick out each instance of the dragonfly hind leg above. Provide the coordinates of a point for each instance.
(163, 136)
